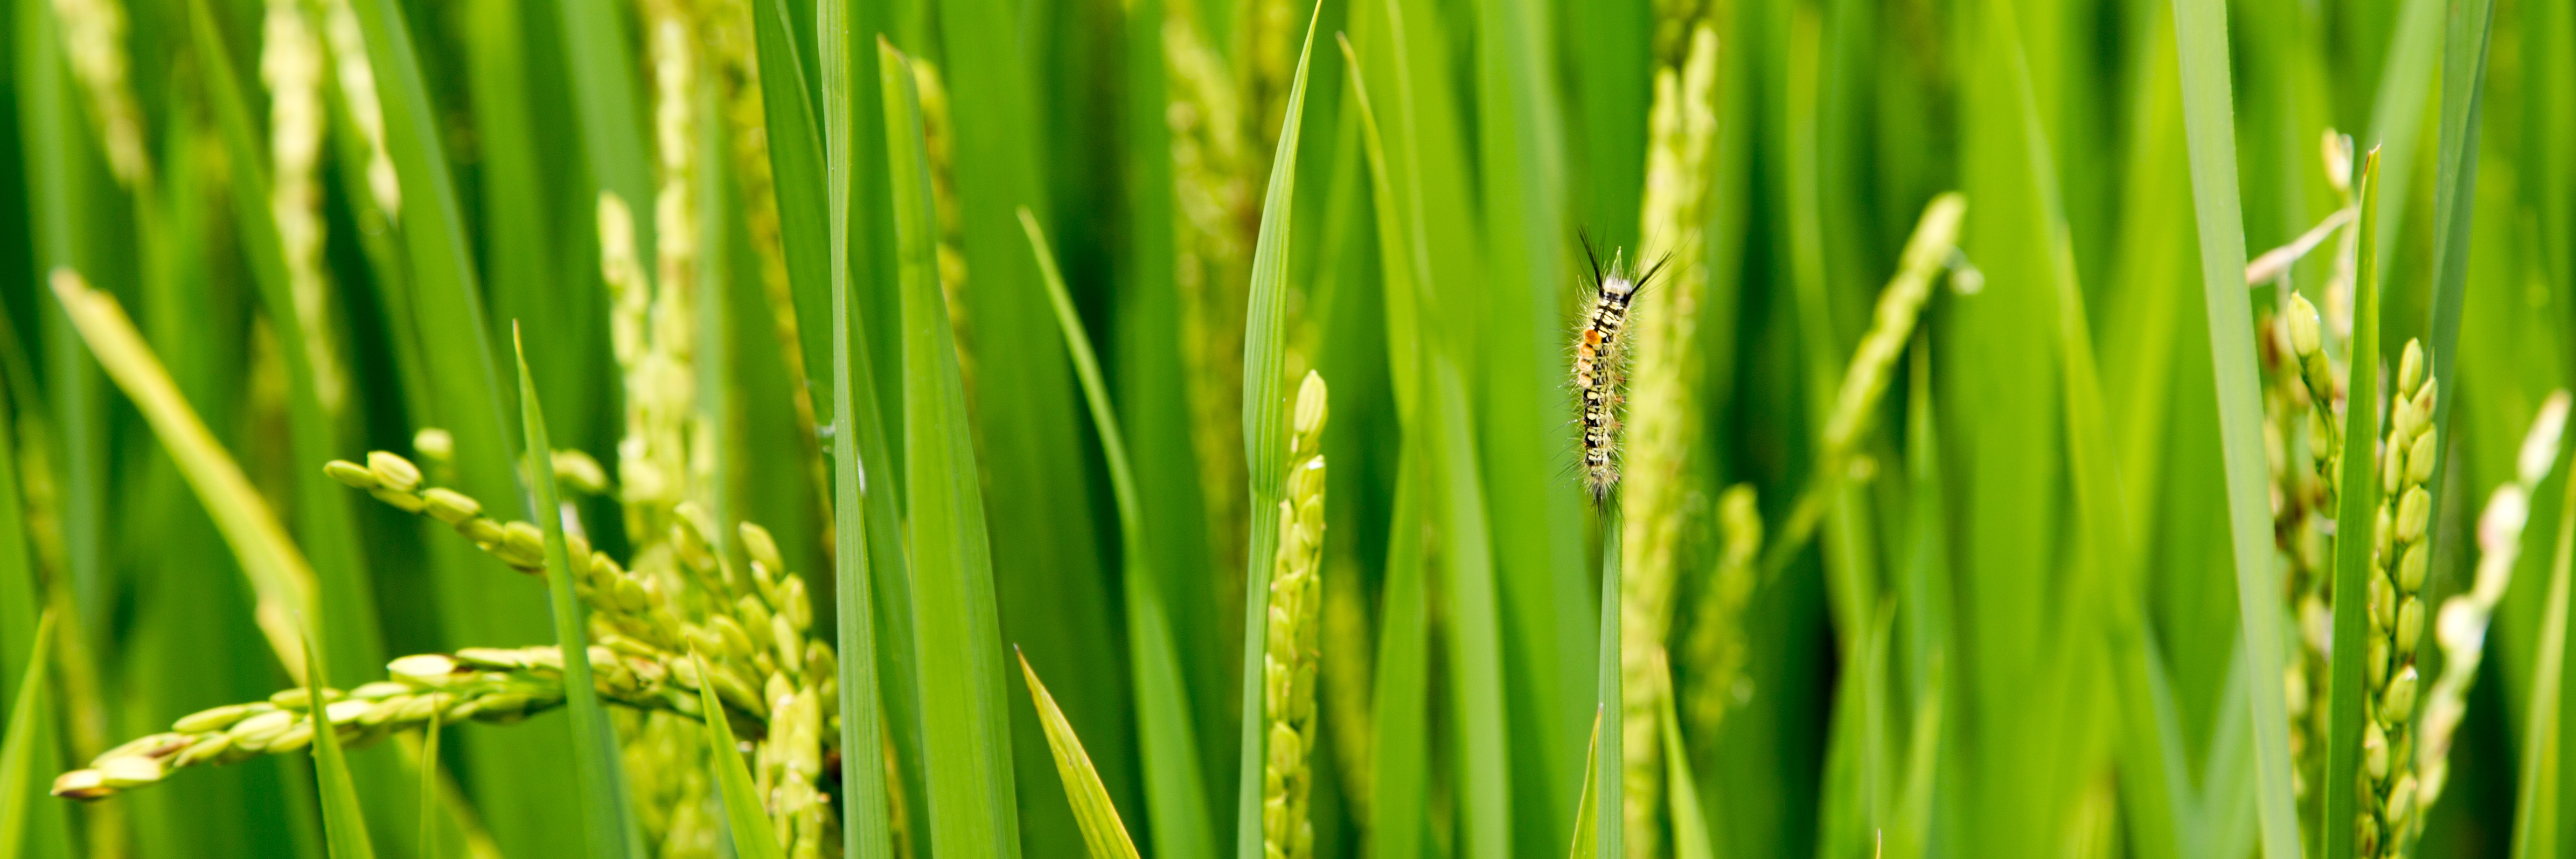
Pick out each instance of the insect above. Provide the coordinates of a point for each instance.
(1600, 365)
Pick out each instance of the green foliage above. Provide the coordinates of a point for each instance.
(1023, 242)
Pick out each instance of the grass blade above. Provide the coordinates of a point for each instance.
(957, 630)
(1538, 516)
(870, 587)
(2360, 496)
(1056, 601)
(1402, 778)
(606, 824)
(2110, 533)
(1176, 802)
(2464, 69)
(1474, 642)
(28, 721)
(1609, 766)
(2200, 32)
(1265, 434)
(1400, 785)
(796, 159)
(743, 815)
(344, 823)
(1101, 829)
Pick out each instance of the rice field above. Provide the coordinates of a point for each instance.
(1403, 429)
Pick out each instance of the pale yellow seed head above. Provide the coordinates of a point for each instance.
(2412, 514)
(355, 476)
(2374, 750)
(760, 546)
(2410, 368)
(2306, 334)
(434, 443)
(393, 471)
(448, 505)
(424, 668)
(216, 719)
(2336, 150)
(82, 784)
(1311, 406)
(579, 471)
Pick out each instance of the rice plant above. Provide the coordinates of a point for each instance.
(1286, 430)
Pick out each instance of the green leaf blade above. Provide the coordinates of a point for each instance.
(607, 825)
(1176, 802)
(1265, 434)
(750, 825)
(966, 736)
(1101, 830)
(29, 724)
(2200, 29)
(2359, 497)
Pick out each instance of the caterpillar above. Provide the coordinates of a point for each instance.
(1600, 366)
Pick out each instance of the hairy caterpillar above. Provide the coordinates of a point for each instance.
(1600, 366)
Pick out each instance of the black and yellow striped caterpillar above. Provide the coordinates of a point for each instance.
(1600, 366)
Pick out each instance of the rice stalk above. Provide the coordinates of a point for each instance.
(1930, 252)
(1714, 651)
(489, 685)
(726, 27)
(753, 626)
(94, 34)
(2298, 514)
(2305, 498)
(2400, 561)
(1289, 651)
(1682, 130)
(291, 63)
(357, 78)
